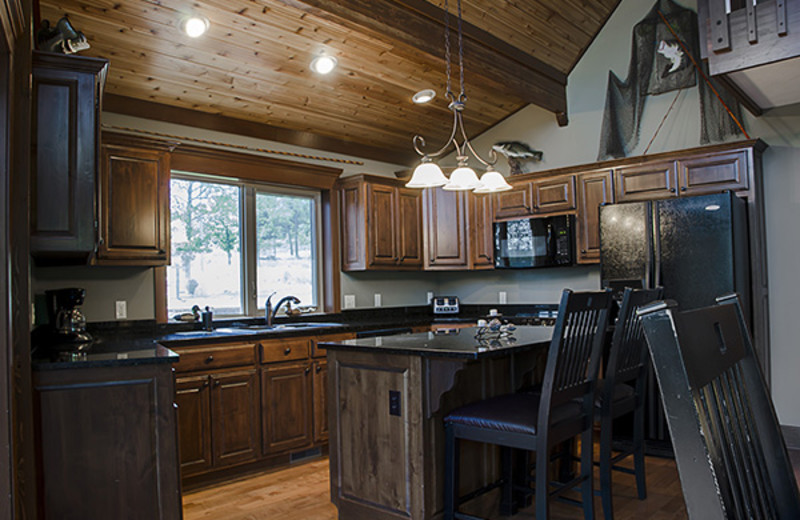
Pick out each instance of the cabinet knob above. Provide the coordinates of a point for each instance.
(210, 358)
(308, 370)
(205, 383)
(683, 188)
(287, 351)
(672, 190)
(216, 382)
(319, 369)
(583, 251)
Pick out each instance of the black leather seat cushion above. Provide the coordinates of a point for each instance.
(516, 413)
(622, 392)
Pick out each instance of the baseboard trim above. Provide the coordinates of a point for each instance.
(791, 436)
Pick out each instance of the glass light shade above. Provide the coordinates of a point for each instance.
(492, 182)
(427, 175)
(323, 64)
(463, 178)
(195, 26)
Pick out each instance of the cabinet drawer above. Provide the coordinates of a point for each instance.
(321, 352)
(210, 357)
(284, 350)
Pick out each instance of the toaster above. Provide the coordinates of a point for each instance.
(445, 305)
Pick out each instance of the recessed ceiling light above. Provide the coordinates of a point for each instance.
(323, 64)
(423, 96)
(195, 26)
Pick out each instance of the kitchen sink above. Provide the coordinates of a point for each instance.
(260, 327)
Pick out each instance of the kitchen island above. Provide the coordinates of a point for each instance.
(388, 396)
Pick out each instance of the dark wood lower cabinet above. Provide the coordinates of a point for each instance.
(106, 443)
(320, 389)
(234, 413)
(286, 406)
(192, 395)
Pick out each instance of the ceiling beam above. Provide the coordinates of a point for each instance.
(419, 25)
(183, 116)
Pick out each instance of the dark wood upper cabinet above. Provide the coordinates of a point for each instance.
(66, 119)
(714, 173)
(445, 229)
(652, 180)
(134, 201)
(481, 232)
(553, 195)
(517, 202)
(381, 224)
(594, 189)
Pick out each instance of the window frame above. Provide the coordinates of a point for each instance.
(248, 280)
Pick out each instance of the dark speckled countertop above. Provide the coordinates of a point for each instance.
(142, 342)
(461, 343)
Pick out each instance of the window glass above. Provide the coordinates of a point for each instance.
(206, 247)
(286, 247)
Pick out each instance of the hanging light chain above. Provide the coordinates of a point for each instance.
(449, 92)
(463, 96)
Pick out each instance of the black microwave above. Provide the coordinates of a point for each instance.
(534, 242)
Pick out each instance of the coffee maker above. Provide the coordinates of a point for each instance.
(67, 329)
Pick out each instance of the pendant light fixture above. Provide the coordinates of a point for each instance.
(428, 174)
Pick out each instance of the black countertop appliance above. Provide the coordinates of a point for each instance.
(66, 329)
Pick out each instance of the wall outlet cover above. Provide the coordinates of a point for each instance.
(121, 309)
(349, 301)
(430, 296)
(502, 296)
(378, 300)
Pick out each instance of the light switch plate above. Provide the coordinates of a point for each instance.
(121, 309)
(349, 301)
(502, 297)
(378, 299)
(430, 297)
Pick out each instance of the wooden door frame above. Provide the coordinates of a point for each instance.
(18, 483)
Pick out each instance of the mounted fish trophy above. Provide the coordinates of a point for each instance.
(516, 153)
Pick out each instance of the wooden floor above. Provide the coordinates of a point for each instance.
(302, 493)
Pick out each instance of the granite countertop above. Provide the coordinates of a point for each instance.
(140, 342)
(462, 343)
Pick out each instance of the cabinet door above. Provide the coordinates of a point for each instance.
(446, 229)
(194, 424)
(714, 173)
(286, 406)
(517, 202)
(320, 405)
(382, 225)
(134, 204)
(594, 189)
(481, 232)
(554, 195)
(234, 417)
(409, 233)
(353, 228)
(64, 148)
(650, 181)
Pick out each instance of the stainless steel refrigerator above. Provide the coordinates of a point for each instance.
(696, 248)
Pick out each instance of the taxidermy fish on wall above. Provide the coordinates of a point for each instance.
(516, 153)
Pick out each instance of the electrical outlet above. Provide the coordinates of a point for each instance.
(502, 297)
(121, 309)
(349, 301)
(430, 296)
(377, 299)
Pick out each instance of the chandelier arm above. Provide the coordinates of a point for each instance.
(468, 145)
(419, 141)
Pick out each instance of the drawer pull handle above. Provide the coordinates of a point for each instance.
(287, 351)
(209, 359)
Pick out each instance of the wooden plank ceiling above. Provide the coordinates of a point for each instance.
(250, 73)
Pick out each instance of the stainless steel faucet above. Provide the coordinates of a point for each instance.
(270, 312)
